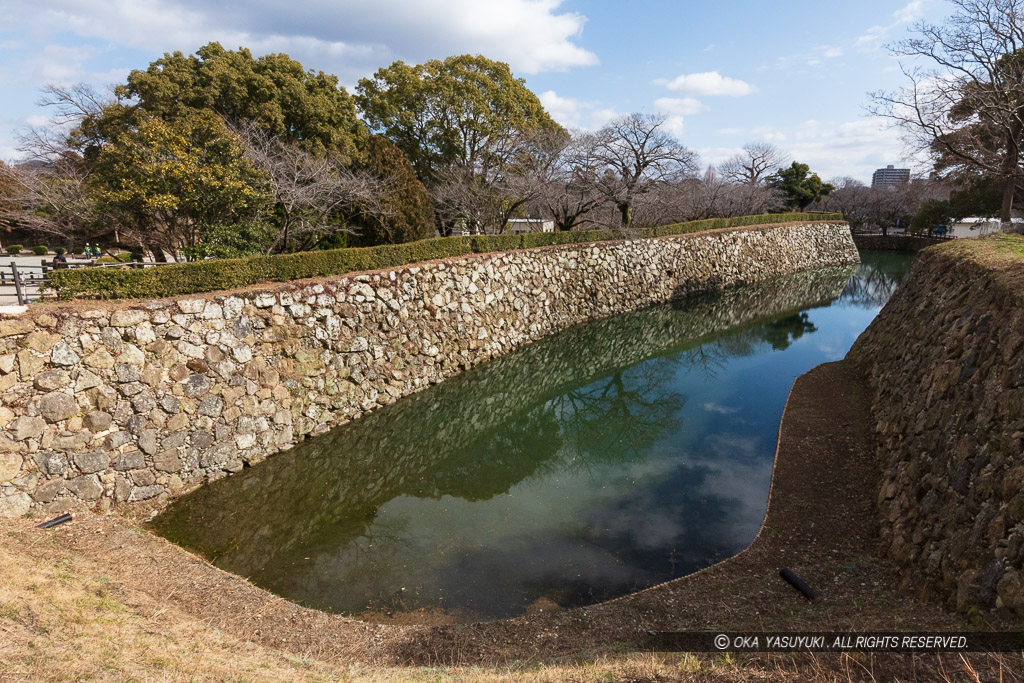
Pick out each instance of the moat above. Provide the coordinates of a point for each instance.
(605, 459)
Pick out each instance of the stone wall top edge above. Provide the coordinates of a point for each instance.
(63, 309)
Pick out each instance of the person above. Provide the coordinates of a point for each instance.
(88, 250)
(60, 261)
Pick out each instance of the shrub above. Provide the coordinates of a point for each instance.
(123, 257)
(217, 274)
(78, 250)
(104, 260)
(40, 250)
(14, 249)
(60, 250)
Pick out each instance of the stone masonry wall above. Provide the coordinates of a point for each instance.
(123, 402)
(944, 357)
(895, 242)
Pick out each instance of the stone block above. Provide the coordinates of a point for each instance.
(132, 460)
(167, 461)
(92, 461)
(86, 487)
(10, 466)
(140, 493)
(128, 318)
(53, 464)
(9, 328)
(15, 505)
(26, 427)
(57, 406)
(97, 421)
(63, 354)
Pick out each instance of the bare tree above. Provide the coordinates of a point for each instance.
(757, 161)
(70, 107)
(636, 154)
(309, 191)
(485, 201)
(49, 197)
(569, 193)
(967, 110)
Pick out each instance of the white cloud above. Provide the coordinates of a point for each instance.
(683, 107)
(675, 109)
(675, 126)
(708, 83)
(910, 12)
(346, 37)
(572, 113)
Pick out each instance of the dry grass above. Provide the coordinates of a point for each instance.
(66, 615)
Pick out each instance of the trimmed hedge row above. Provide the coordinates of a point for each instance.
(218, 274)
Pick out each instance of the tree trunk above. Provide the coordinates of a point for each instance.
(627, 217)
(1006, 210)
(1009, 170)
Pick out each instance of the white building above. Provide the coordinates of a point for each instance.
(517, 226)
(975, 227)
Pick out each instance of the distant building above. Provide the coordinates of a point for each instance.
(520, 225)
(890, 177)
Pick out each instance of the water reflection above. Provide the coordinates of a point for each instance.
(610, 457)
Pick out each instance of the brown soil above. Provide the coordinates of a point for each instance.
(820, 524)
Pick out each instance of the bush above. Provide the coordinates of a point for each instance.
(60, 250)
(106, 260)
(123, 257)
(78, 251)
(218, 274)
(14, 249)
(40, 250)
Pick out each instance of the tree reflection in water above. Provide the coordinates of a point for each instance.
(578, 468)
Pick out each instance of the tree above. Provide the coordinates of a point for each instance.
(967, 110)
(569, 193)
(636, 154)
(931, 214)
(315, 196)
(466, 111)
(799, 186)
(753, 165)
(273, 92)
(408, 214)
(51, 197)
(169, 183)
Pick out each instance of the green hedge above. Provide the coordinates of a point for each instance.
(218, 274)
(14, 249)
(40, 250)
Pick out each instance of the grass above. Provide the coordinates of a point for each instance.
(65, 616)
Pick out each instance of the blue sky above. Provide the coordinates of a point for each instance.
(794, 73)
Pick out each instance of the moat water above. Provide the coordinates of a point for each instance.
(605, 459)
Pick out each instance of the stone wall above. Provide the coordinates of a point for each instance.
(139, 401)
(944, 357)
(895, 242)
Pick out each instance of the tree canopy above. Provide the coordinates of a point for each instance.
(172, 181)
(799, 185)
(467, 111)
(406, 214)
(273, 91)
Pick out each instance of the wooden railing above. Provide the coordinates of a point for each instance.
(22, 278)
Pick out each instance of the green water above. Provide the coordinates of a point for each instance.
(605, 459)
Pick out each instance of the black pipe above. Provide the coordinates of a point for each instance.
(795, 581)
(66, 517)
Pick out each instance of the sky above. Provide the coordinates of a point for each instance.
(796, 73)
